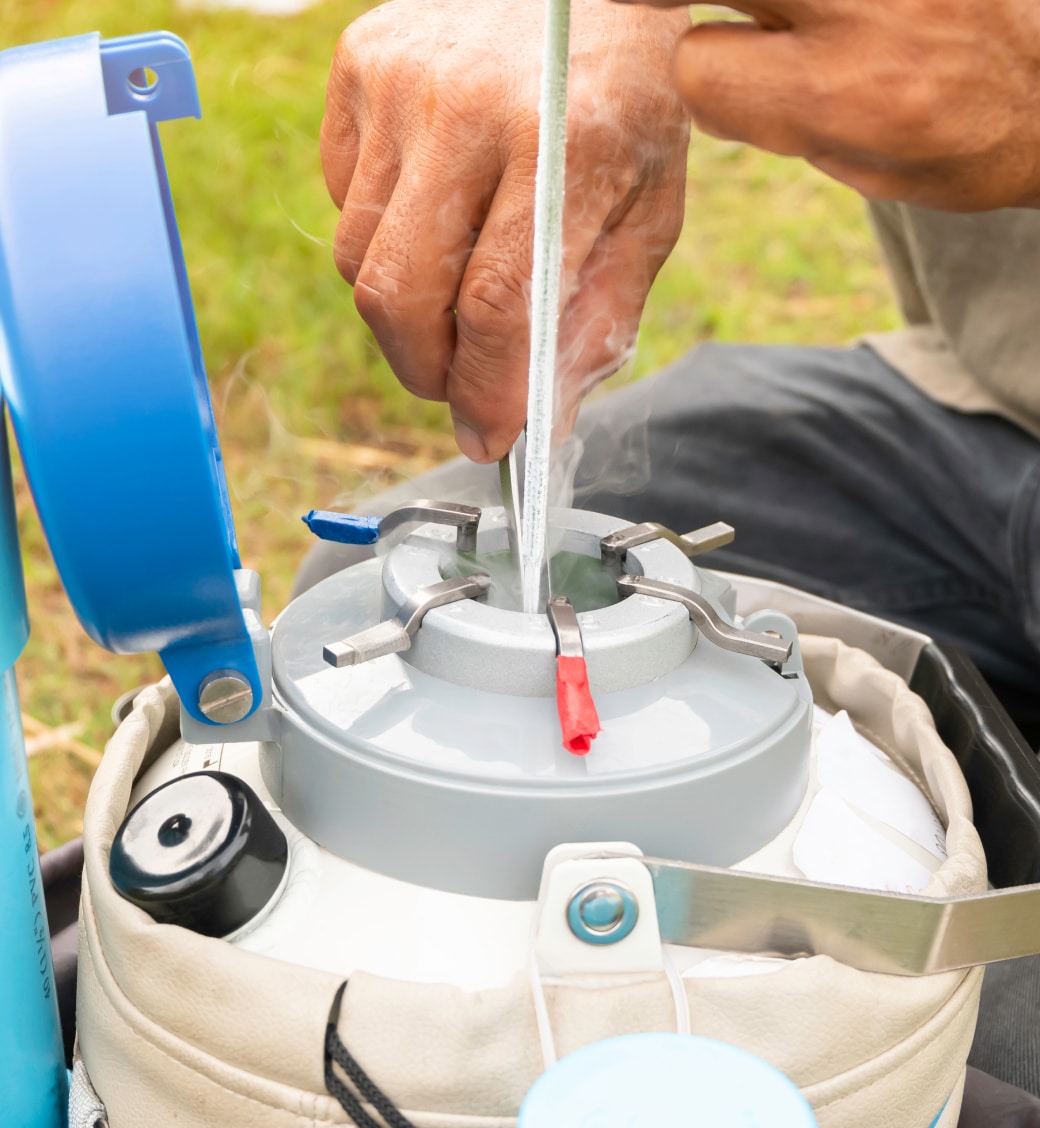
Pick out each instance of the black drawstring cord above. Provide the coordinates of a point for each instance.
(338, 1054)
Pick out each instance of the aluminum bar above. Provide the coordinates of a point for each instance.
(893, 933)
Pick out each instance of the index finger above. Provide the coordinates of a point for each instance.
(486, 383)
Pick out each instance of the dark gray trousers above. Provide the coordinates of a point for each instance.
(842, 479)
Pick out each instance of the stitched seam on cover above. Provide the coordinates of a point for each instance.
(141, 1019)
(474, 1120)
(965, 990)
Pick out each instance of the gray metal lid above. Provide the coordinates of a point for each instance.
(443, 765)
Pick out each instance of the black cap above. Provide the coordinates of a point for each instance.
(202, 852)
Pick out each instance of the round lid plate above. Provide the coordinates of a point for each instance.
(456, 787)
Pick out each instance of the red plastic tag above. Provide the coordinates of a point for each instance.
(579, 720)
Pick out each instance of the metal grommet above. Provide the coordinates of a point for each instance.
(602, 912)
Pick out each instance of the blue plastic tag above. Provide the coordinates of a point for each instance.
(342, 528)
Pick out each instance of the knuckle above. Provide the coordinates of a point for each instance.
(919, 116)
(344, 75)
(374, 67)
(383, 293)
(884, 106)
(918, 101)
(343, 55)
(360, 38)
(492, 304)
(373, 295)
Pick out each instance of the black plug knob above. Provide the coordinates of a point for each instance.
(202, 852)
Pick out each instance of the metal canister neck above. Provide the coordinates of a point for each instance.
(500, 650)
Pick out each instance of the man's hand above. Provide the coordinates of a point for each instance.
(429, 148)
(933, 102)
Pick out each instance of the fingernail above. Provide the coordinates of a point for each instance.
(470, 443)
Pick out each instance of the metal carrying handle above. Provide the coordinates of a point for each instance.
(396, 634)
(708, 621)
(892, 933)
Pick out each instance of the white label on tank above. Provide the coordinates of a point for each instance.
(196, 758)
(869, 781)
(835, 845)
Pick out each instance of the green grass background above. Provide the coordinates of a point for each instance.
(308, 411)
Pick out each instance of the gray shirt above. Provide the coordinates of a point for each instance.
(969, 288)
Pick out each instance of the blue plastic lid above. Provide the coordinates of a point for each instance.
(100, 357)
(651, 1080)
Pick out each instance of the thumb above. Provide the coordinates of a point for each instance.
(744, 83)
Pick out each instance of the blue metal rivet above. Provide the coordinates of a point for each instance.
(602, 912)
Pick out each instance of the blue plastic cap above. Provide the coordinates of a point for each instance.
(100, 357)
(653, 1080)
